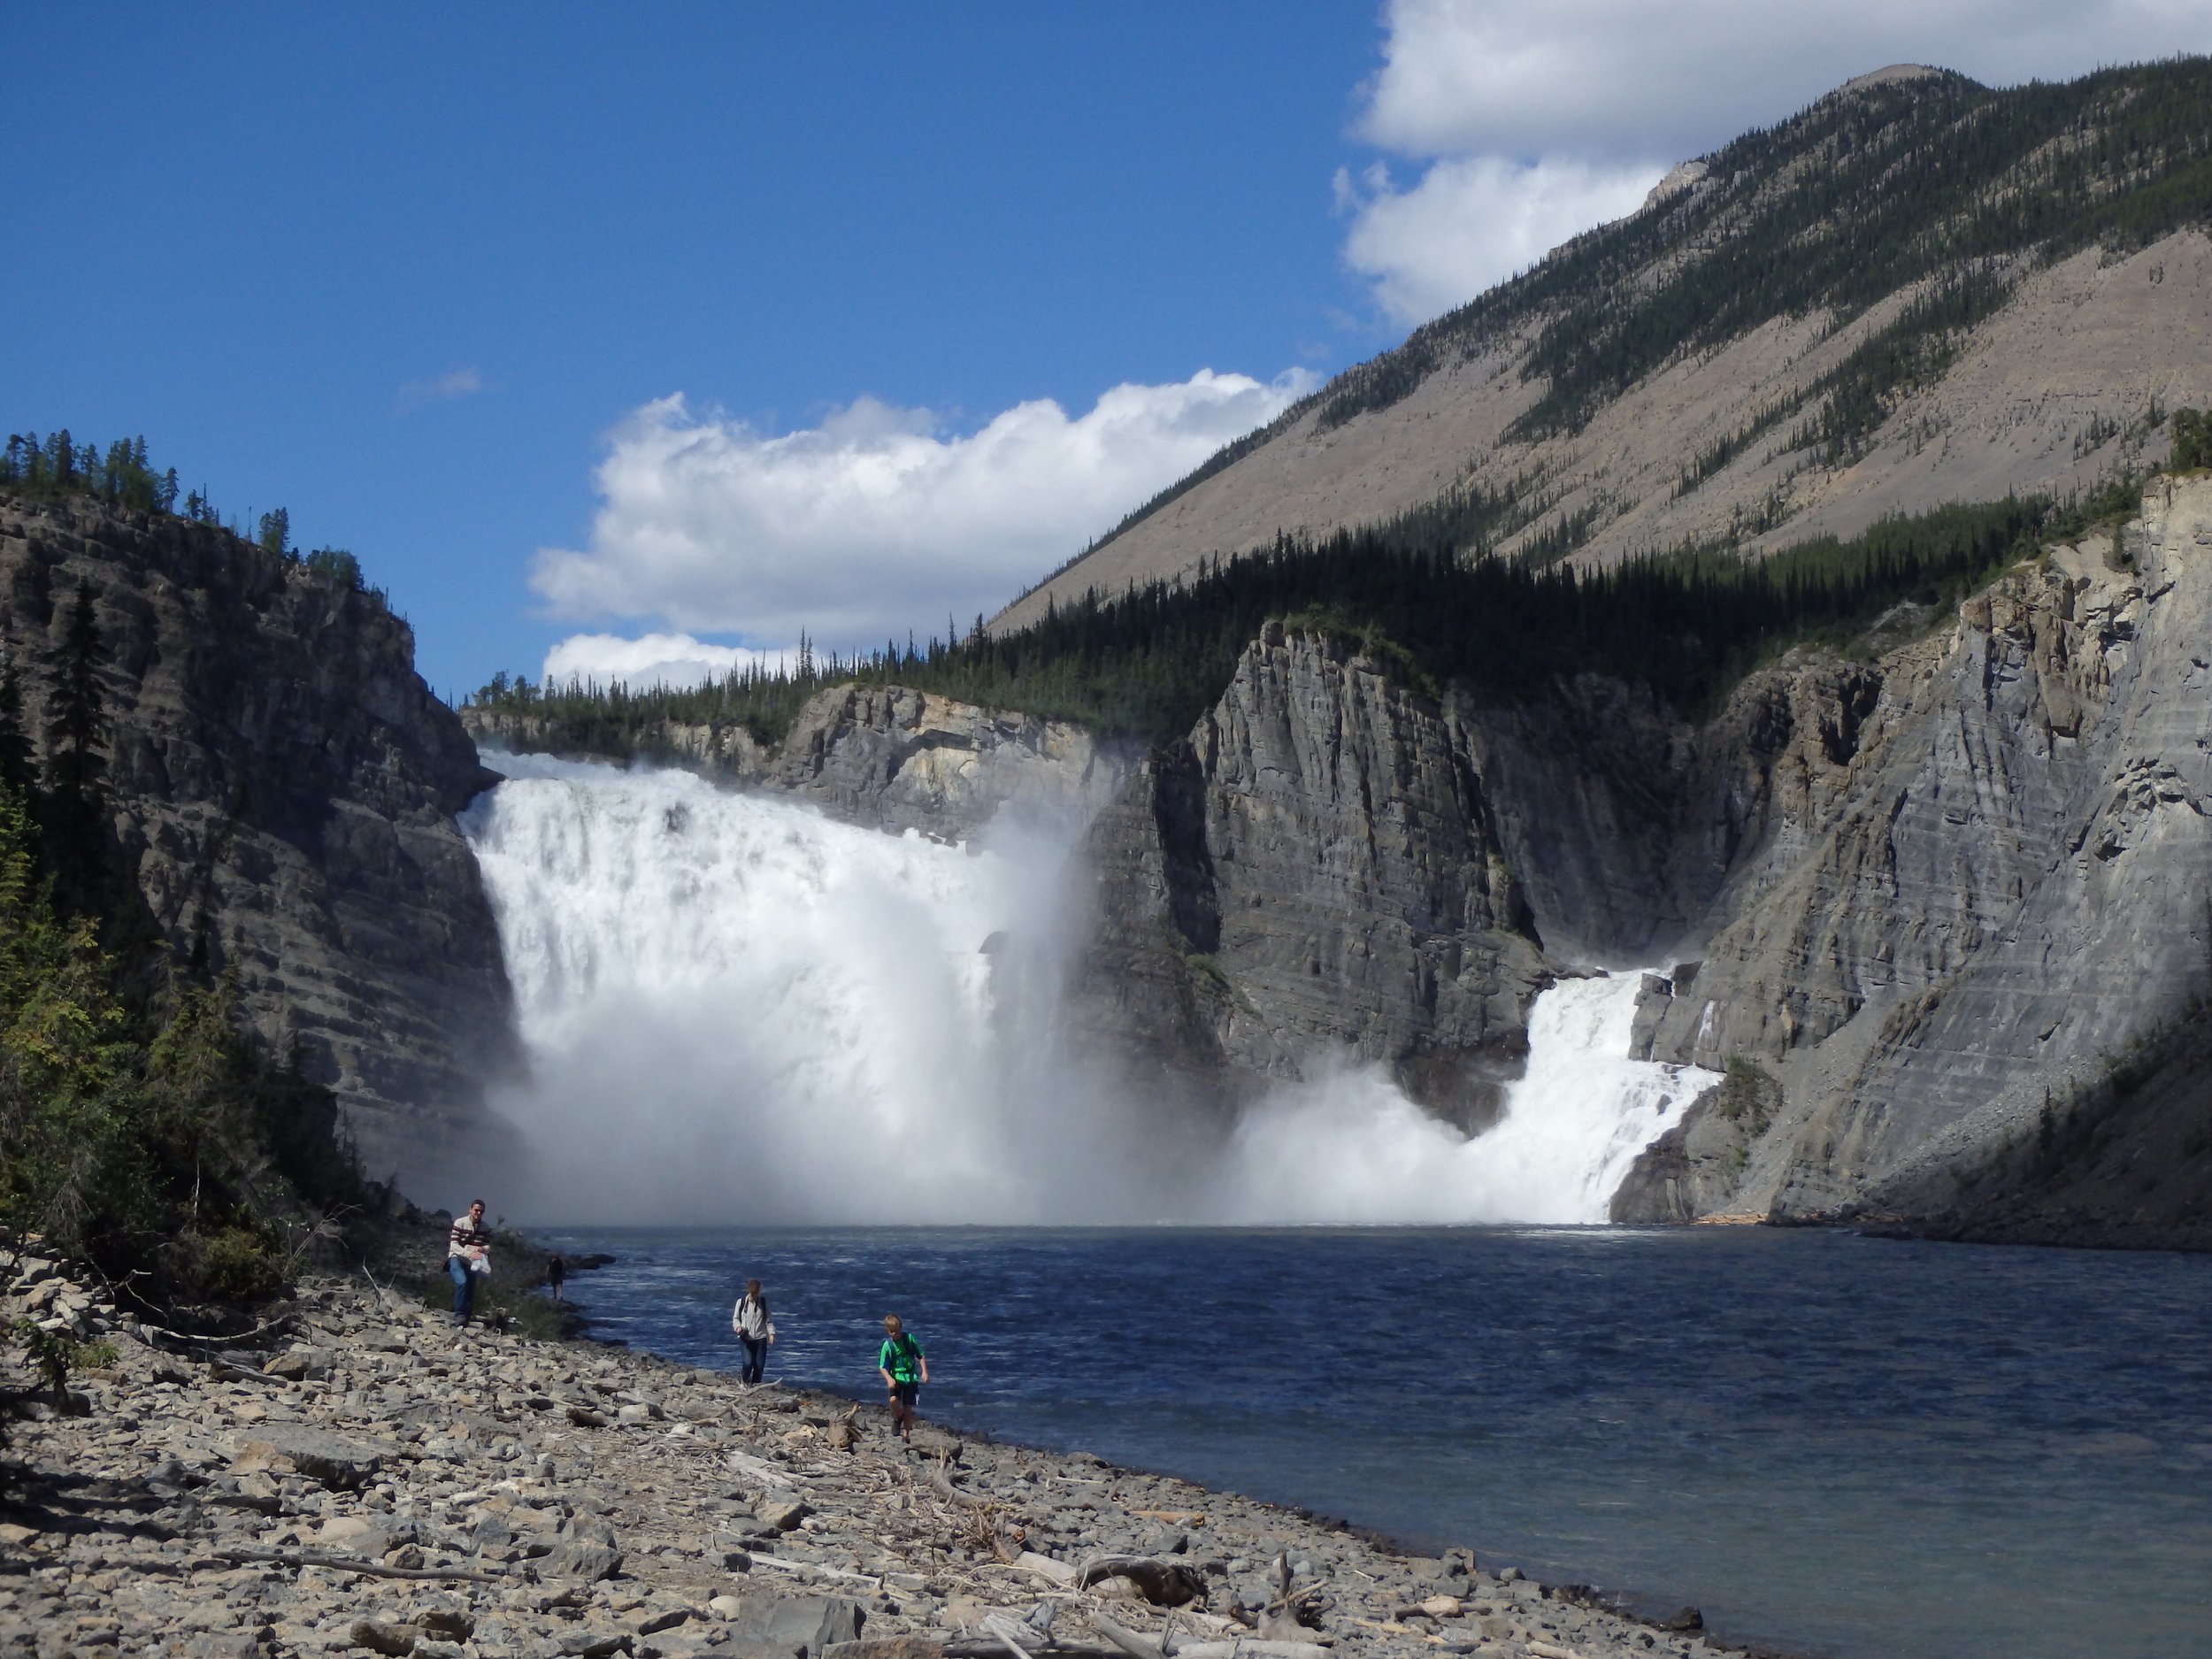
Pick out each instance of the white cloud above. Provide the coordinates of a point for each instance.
(1474, 221)
(1629, 79)
(877, 520)
(1533, 119)
(666, 660)
(443, 389)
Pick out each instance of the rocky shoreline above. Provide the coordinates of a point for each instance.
(370, 1479)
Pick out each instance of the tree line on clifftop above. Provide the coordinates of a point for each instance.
(1145, 664)
(121, 475)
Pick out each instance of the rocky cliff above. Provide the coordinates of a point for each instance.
(1978, 899)
(1921, 907)
(895, 758)
(889, 757)
(1313, 877)
(283, 785)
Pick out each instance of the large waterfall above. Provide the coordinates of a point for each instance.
(736, 1010)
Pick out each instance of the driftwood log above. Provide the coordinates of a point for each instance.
(1161, 1583)
(942, 1485)
(1135, 1645)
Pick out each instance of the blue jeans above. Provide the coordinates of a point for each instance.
(464, 1287)
(755, 1358)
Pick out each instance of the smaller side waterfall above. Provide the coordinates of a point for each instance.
(1353, 1149)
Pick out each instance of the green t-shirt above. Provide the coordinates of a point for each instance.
(902, 1357)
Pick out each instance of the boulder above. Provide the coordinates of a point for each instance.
(792, 1626)
(317, 1453)
(583, 1558)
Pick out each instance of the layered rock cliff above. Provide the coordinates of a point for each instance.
(1920, 907)
(1313, 877)
(283, 786)
(1974, 903)
(896, 758)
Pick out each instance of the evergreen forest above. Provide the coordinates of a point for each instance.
(1690, 624)
(122, 475)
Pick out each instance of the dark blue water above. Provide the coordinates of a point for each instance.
(1835, 1445)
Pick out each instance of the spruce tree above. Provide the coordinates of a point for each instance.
(78, 718)
(18, 769)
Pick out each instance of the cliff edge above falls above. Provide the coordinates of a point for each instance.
(891, 758)
(283, 786)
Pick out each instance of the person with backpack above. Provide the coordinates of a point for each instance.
(905, 1368)
(755, 1329)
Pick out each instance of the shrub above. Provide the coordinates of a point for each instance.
(239, 1264)
(2191, 431)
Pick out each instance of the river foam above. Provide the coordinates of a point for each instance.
(735, 1008)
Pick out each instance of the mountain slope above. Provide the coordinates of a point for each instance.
(1918, 290)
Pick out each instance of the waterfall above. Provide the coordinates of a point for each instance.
(738, 1011)
(1573, 1125)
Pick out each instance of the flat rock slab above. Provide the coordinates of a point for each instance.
(317, 1453)
(784, 1625)
(886, 1648)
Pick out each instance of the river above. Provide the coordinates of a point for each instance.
(1833, 1445)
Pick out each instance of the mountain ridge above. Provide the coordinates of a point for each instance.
(1818, 328)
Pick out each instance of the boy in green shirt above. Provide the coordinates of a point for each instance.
(904, 1370)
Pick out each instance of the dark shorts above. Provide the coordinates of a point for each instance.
(904, 1392)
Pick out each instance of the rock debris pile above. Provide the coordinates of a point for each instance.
(377, 1481)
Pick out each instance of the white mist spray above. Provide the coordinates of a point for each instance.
(739, 1011)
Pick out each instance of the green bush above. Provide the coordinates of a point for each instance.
(1748, 1096)
(56, 1356)
(2191, 431)
(142, 1131)
(239, 1264)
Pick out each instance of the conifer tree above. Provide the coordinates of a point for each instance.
(276, 532)
(19, 770)
(77, 719)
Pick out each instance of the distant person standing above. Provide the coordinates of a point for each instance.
(555, 1276)
(468, 1256)
(755, 1329)
(905, 1368)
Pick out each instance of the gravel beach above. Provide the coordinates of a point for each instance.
(371, 1478)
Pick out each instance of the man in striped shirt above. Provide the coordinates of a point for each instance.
(468, 1252)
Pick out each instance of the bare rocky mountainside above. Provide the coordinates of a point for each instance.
(282, 784)
(1916, 291)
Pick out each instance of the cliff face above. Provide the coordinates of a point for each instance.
(891, 758)
(1910, 902)
(1313, 877)
(283, 785)
(1997, 885)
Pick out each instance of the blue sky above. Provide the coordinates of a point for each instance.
(434, 278)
